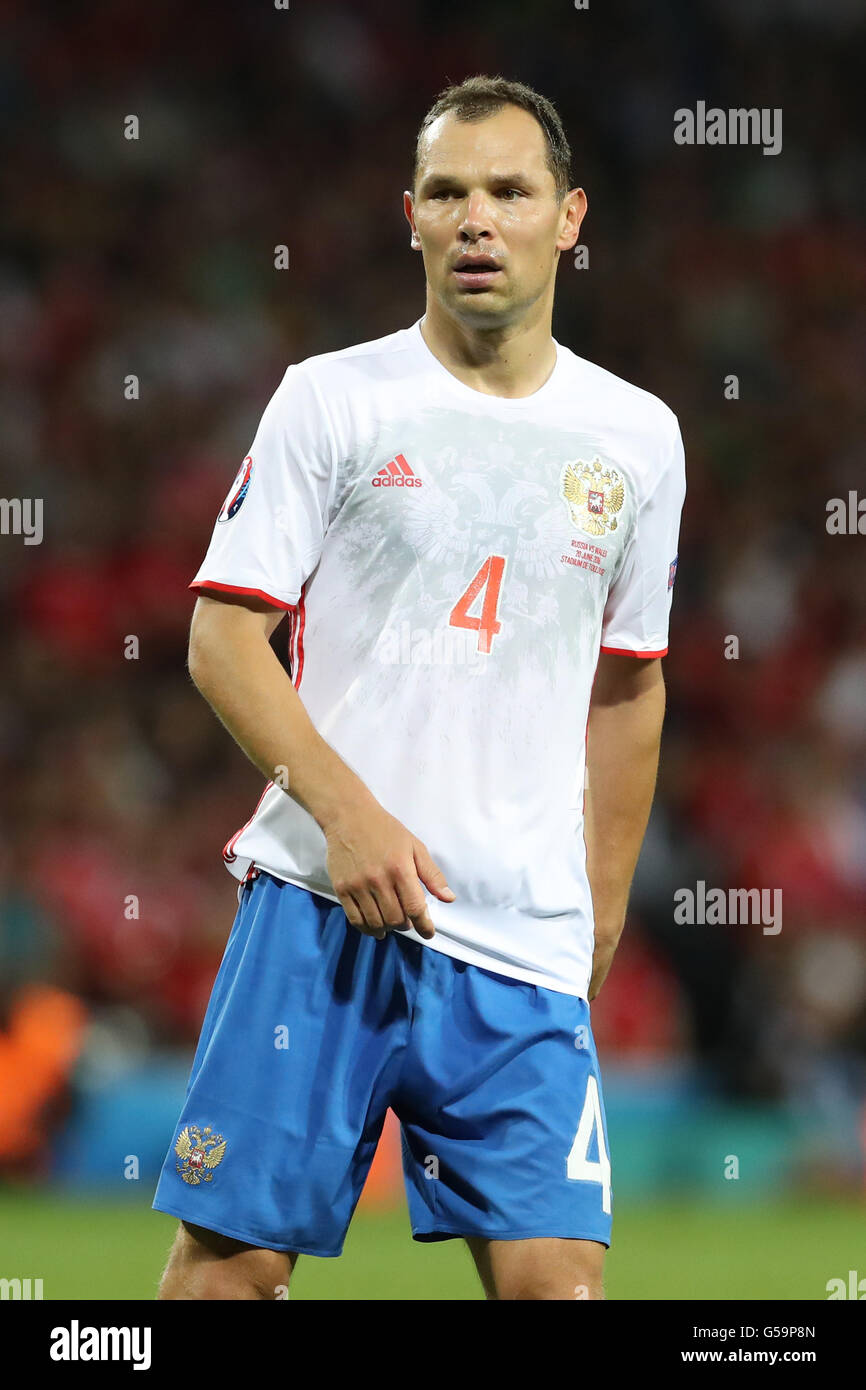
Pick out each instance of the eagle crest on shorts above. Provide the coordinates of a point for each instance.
(594, 495)
(200, 1151)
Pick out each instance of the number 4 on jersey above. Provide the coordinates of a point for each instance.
(579, 1166)
(488, 578)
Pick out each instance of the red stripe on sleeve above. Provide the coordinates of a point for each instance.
(302, 614)
(626, 651)
(205, 584)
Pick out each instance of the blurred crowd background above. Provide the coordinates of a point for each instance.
(155, 257)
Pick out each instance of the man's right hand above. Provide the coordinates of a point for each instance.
(379, 871)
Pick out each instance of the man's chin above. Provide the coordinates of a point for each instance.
(479, 306)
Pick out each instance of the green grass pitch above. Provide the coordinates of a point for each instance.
(90, 1249)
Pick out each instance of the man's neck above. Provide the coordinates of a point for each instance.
(512, 362)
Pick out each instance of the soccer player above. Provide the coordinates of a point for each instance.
(475, 533)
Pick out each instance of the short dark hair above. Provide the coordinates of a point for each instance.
(478, 97)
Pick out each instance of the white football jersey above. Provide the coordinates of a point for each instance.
(454, 562)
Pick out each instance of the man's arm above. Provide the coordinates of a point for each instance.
(623, 736)
(377, 867)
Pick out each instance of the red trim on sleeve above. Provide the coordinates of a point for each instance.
(626, 651)
(298, 667)
(239, 589)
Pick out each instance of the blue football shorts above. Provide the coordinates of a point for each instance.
(314, 1030)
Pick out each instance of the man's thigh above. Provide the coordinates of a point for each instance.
(539, 1269)
(500, 1102)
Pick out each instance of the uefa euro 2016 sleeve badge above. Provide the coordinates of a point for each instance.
(594, 495)
(200, 1151)
(238, 491)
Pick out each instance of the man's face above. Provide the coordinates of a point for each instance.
(486, 216)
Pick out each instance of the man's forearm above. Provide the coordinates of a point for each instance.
(379, 870)
(237, 672)
(623, 739)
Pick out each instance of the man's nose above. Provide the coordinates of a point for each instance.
(476, 219)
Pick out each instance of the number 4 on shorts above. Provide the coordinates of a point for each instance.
(580, 1166)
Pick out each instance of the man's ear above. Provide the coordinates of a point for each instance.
(576, 209)
(409, 211)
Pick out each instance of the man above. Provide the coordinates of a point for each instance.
(473, 530)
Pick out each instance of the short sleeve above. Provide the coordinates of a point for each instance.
(267, 538)
(638, 606)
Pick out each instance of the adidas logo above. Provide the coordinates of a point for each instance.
(397, 473)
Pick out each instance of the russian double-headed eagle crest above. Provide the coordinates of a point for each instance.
(594, 494)
(200, 1151)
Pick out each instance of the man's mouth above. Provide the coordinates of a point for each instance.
(477, 263)
(476, 272)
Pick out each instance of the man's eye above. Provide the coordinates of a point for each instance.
(507, 194)
(440, 195)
